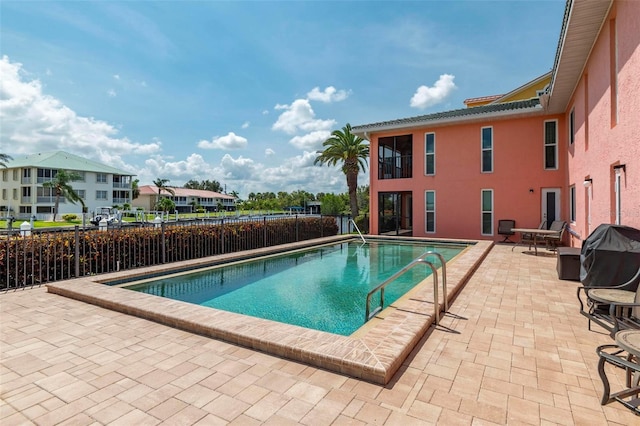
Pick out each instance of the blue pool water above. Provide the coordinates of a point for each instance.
(323, 288)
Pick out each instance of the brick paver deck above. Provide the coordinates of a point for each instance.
(512, 350)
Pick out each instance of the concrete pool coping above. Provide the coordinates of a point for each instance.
(373, 353)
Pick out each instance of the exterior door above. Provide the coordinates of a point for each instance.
(550, 205)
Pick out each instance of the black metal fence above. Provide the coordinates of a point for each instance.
(34, 257)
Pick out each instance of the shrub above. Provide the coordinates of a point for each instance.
(69, 217)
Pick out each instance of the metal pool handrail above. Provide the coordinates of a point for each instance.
(444, 275)
(421, 259)
(358, 229)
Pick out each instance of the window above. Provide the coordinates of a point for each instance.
(395, 157)
(26, 176)
(15, 193)
(4, 193)
(82, 176)
(487, 211)
(572, 126)
(5, 175)
(487, 149)
(430, 154)
(101, 177)
(550, 145)
(101, 195)
(617, 188)
(572, 203)
(15, 174)
(45, 175)
(81, 193)
(430, 211)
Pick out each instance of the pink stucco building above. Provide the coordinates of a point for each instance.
(565, 146)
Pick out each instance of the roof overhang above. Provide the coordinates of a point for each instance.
(583, 20)
(365, 130)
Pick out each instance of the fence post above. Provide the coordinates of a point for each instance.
(264, 232)
(163, 242)
(321, 226)
(222, 237)
(76, 254)
(297, 236)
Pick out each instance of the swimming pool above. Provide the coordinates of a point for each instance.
(374, 353)
(323, 288)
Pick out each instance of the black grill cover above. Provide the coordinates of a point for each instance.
(610, 256)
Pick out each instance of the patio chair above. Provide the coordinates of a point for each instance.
(553, 241)
(505, 227)
(623, 302)
(528, 238)
(624, 354)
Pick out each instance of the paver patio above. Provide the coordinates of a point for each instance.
(513, 349)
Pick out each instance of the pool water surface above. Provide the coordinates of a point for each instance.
(323, 288)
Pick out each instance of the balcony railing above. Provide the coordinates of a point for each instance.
(399, 167)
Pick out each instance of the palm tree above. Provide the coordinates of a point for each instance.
(61, 185)
(3, 159)
(135, 189)
(352, 152)
(161, 184)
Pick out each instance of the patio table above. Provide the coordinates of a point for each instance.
(536, 233)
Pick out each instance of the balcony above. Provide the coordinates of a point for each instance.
(398, 167)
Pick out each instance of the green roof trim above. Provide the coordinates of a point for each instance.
(61, 160)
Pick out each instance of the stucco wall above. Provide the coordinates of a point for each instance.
(518, 168)
(601, 142)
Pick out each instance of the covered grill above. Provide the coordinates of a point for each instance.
(610, 256)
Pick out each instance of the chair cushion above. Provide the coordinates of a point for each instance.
(607, 295)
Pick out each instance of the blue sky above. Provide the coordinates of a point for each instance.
(245, 92)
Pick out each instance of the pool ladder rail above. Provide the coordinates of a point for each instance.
(358, 229)
(413, 263)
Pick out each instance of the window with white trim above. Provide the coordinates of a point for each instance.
(101, 177)
(430, 211)
(572, 126)
(101, 195)
(572, 203)
(430, 154)
(487, 212)
(487, 149)
(551, 145)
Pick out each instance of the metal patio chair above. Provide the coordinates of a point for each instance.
(505, 227)
(622, 301)
(625, 355)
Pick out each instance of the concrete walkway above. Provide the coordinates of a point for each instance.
(512, 350)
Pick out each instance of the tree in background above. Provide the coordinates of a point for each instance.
(4, 158)
(333, 204)
(61, 187)
(363, 198)
(135, 189)
(161, 184)
(166, 205)
(207, 185)
(351, 151)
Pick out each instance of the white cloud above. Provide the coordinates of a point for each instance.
(330, 94)
(193, 167)
(311, 141)
(231, 141)
(246, 125)
(428, 96)
(116, 76)
(269, 152)
(240, 168)
(111, 93)
(35, 122)
(299, 116)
